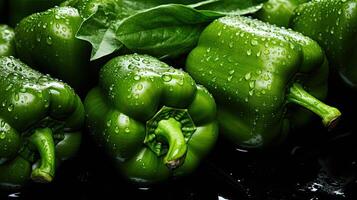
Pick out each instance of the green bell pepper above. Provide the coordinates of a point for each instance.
(47, 41)
(278, 12)
(333, 24)
(7, 41)
(40, 121)
(257, 73)
(19, 9)
(153, 120)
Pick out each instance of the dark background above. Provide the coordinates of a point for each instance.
(313, 164)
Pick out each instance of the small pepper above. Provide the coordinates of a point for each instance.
(259, 73)
(40, 122)
(333, 24)
(278, 12)
(7, 41)
(47, 41)
(153, 120)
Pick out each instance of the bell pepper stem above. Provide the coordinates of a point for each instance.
(329, 115)
(43, 142)
(170, 130)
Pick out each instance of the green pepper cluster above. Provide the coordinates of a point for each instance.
(252, 80)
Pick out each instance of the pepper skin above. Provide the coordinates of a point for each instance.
(257, 72)
(18, 9)
(47, 41)
(7, 41)
(333, 24)
(152, 119)
(40, 121)
(278, 12)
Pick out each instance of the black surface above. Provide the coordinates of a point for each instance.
(313, 164)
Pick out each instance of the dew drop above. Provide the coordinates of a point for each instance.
(247, 76)
(254, 42)
(49, 40)
(139, 86)
(137, 77)
(249, 52)
(2, 135)
(10, 107)
(166, 77)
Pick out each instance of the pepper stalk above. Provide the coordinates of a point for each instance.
(329, 115)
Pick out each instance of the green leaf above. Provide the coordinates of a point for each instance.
(233, 7)
(163, 28)
(99, 31)
(164, 31)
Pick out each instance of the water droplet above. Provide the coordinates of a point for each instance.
(231, 45)
(2, 135)
(49, 40)
(166, 77)
(10, 107)
(136, 57)
(131, 66)
(251, 84)
(127, 130)
(247, 76)
(254, 42)
(8, 87)
(137, 77)
(249, 52)
(139, 86)
(16, 97)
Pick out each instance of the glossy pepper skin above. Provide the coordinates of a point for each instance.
(7, 41)
(152, 119)
(47, 41)
(278, 12)
(40, 121)
(257, 72)
(19, 9)
(333, 24)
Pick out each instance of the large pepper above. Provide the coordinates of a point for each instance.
(40, 121)
(7, 41)
(258, 73)
(278, 12)
(333, 24)
(153, 120)
(19, 9)
(47, 41)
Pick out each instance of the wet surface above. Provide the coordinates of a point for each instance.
(313, 164)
